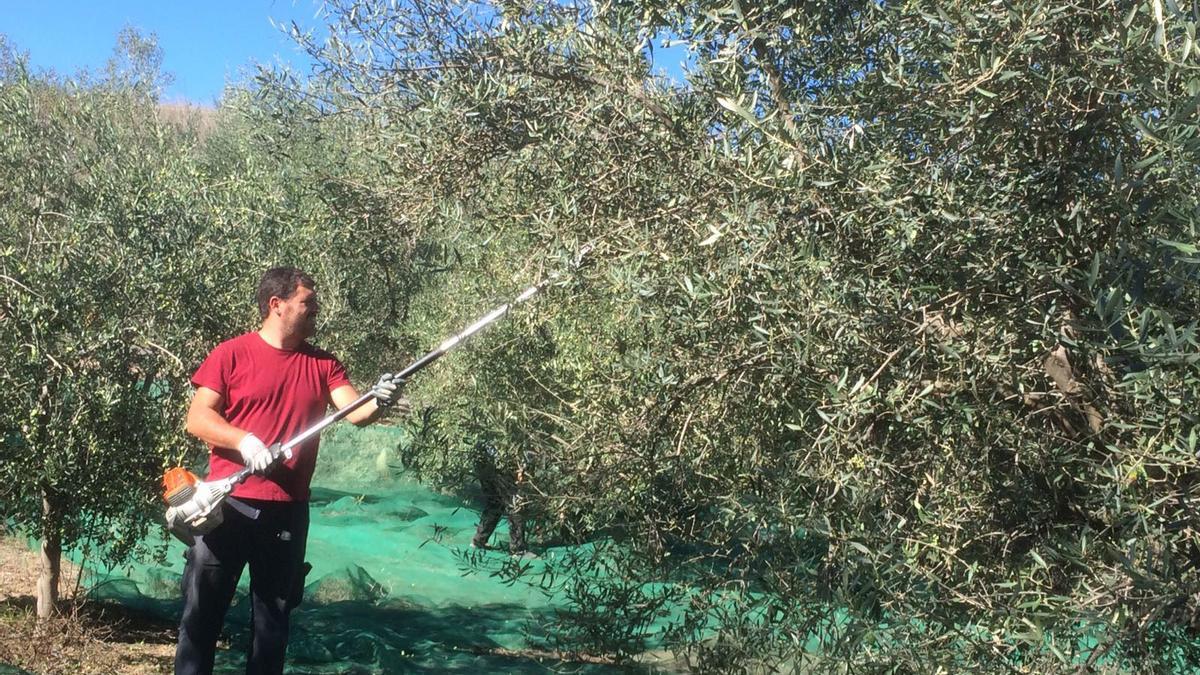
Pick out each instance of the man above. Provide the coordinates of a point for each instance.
(252, 391)
(501, 495)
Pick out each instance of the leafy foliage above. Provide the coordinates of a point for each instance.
(893, 337)
(888, 360)
(90, 270)
(131, 238)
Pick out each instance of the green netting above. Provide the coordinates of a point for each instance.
(388, 591)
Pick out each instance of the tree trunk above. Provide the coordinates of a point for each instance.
(51, 560)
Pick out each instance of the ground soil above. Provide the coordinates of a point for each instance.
(86, 637)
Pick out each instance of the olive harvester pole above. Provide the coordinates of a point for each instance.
(194, 505)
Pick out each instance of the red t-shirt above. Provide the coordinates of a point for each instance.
(274, 394)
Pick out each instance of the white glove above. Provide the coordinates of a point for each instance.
(177, 527)
(385, 390)
(255, 455)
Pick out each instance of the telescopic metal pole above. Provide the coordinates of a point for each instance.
(412, 368)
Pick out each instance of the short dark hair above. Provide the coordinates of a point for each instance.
(280, 282)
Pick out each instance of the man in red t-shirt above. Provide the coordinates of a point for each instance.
(253, 391)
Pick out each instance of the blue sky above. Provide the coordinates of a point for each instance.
(205, 43)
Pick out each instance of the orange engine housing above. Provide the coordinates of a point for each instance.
(177, 482)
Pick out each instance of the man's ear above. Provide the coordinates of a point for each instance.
(273, 304)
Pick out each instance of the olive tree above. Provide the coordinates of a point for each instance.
(94, 248)
(890, 354)
(131, 238)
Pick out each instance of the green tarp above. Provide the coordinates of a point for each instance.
(389, 590)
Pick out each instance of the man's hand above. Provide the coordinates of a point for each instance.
(178, 527)
(255, 454)
(386, 391)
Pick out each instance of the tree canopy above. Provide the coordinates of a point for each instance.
(888, 358)
(892, 341)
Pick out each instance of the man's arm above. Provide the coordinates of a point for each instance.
(369, 411)
(204, 420)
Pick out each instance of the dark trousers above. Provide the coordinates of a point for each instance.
(273, 545)
(500, 496)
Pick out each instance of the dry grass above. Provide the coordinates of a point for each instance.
(201, 120)
(86, 637)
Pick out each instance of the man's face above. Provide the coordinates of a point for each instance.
(298, 314)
